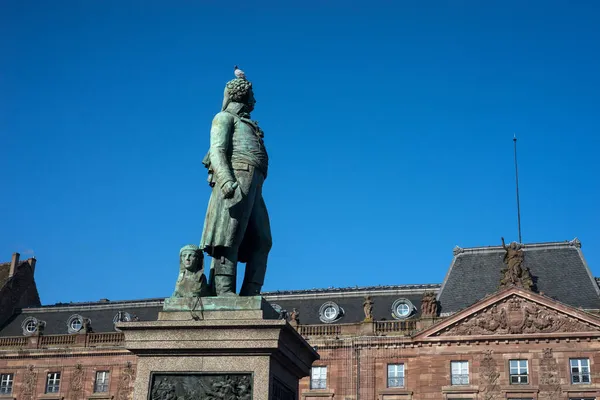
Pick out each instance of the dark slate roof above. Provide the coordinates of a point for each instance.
(558, 269)
(352, 289)
(352, 307)
(308, 302)
(4, 271)
(100, 313)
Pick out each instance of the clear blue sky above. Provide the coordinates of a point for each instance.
(389, 126)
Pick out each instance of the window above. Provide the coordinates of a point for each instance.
(402, 308)
(75, 323)
(330, 312)
(580, 370)
(460, 372)
(53, 382)
(101, 384)
(318, 378)
(512, 398)
(519, 374)
(29, 326)
(6, 383)
(395, 375)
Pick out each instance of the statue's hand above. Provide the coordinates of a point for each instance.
(228, 189)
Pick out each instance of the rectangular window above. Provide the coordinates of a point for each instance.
(318, 378)
(53, 382)
(6, 383)
(519, 372)
(580, 370)
(395, 375)
(101, 384)
(460, 372)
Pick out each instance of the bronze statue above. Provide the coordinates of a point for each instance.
(514, 273)
(237, 226)
(368, 308)
(191, 281)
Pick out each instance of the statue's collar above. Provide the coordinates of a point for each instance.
(243, 115)
(238, 109)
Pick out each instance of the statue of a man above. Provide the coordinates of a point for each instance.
(237, 226)
(191, 281)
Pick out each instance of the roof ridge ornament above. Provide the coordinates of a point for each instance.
(457, 250)
(575, 243)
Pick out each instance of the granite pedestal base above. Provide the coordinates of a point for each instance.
(220, 351)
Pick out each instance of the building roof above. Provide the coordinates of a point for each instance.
(4, 271)
(558, 269)
(307, 302)
(101, 315)
(353, 290)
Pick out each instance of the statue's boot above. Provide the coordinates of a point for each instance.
(250, 289)
(256, 269)
(225, 285)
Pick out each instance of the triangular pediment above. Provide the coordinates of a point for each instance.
(514, 312)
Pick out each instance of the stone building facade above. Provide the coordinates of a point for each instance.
(470, 337)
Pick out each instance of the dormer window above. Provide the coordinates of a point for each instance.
(402, 309)
(330, 312)
(30, 326)
(75, 323)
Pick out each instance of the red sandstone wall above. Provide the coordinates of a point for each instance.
(427, 370)
(65, 362)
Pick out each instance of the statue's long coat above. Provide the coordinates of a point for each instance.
(222, 225)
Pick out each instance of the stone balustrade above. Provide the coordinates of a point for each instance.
(395, 327)
(366, 328)
(115, 339)
(320, 330)
(112, 339)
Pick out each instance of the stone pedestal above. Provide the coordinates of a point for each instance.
(232, 347)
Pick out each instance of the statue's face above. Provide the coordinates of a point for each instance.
(189, 259)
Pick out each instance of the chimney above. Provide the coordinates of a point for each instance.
(13, 264)
(31, 262)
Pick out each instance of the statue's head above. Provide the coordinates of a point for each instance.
(191, 258)
(514, 246)
(239, 90)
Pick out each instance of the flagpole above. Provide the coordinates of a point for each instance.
(517, 186)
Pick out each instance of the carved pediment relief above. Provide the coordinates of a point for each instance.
(514, 315)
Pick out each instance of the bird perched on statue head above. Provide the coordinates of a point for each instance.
(239, 73)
